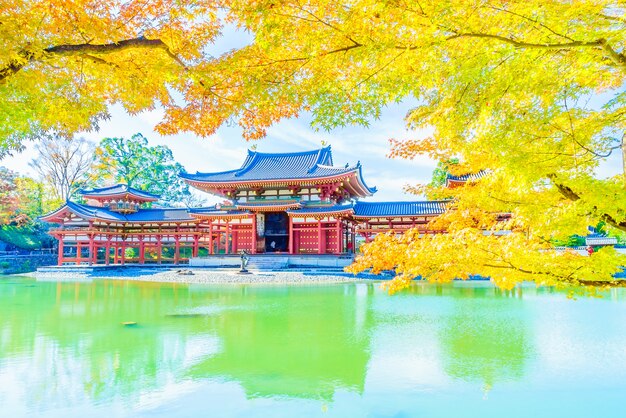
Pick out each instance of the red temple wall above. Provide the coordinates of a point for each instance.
(242, 238)
(305, 238)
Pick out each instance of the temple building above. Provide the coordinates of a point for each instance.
(275, 203)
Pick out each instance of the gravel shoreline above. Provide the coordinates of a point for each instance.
(222, 276)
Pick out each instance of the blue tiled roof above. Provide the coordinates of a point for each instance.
(117, 190)
(360, 209)
(379, 209)
(271, 205)
(466, 177)
(160, 215)
(144, 215)
(212, 210)
(265, 166)
(92, 212)
(322, 209)
(270, 202)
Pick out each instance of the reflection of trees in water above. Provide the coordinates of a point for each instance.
(304, 343)
(485, 337)
(290, 341)
(72, 333)
(483, 334)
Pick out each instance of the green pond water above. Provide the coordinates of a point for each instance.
(341, 350)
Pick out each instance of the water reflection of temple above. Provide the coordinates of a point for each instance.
(309, 347)
(66, 343)
(274, 342)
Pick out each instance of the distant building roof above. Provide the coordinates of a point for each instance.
(280, 166)
(327, 209)
(214, 212)
(88, 212)
(599, 239)
(117, 191)
(466, 177)
(358, 210)
(160, 215)
(270, 204)
(390, 209)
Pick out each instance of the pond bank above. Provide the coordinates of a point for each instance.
(216, 276)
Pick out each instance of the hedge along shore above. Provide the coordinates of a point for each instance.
(223, 276)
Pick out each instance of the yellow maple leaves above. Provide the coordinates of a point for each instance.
(63, 62)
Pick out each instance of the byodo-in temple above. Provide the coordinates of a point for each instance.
(292, 203)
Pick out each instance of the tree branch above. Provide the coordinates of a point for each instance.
(570, 194)
(85, 49)
(601, 43)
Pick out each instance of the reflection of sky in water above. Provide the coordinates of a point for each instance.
(340, 350)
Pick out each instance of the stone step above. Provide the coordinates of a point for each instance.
(260, 262)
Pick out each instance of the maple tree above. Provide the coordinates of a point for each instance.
(8, 195)
(530, 90)
(62, 63)
(22, 199)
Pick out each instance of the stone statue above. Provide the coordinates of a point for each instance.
(244, 262)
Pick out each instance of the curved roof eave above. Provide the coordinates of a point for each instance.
(371, 190)
(258, 166)
(364, 210)
(118, 189)
(279, 180)
(193, 177)
(50, 215)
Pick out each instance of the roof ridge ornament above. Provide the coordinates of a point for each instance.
(248, 164)
(322, 156)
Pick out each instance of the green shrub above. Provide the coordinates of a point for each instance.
(25, 267)
(20, 237)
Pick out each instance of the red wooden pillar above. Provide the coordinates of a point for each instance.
(291, 235)
(235, 235)
(60, 256)
(211, 238)
(159, 248)
(91, 249)
(254, 233)
(115, 253)
(338, 242)
(107, 251)
(95, 253)
(226, 249)
(78, 252)
(123, 255)
(142, 250)
(196, 245)
(177, 238)
(216, 238)
(319, 236)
